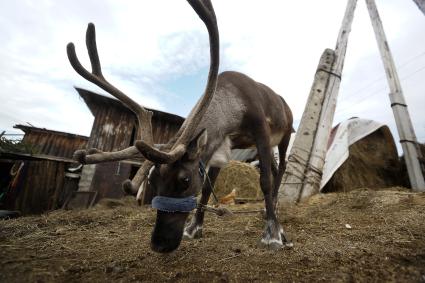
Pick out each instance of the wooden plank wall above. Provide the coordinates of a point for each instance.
(40, 187)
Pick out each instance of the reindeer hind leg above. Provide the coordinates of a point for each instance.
(193, 229)
(283, 147)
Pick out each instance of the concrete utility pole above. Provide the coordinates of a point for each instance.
(318, 155)
(299, 157)
(306, 160)
(421, 5)
(404, 125)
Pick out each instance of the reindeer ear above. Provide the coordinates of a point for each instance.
(197, 145)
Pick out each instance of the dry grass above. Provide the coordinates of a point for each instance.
(386, 242)
(240, 176)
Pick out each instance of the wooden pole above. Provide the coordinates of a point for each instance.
(401, 114)
(294, 176)
(421, 5)
(318, 154)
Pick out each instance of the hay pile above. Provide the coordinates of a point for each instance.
(373, 163)
(241, 177)
(360, 236)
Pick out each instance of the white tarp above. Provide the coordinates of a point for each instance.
(348, 132)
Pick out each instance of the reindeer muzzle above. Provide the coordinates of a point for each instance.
(169, 204)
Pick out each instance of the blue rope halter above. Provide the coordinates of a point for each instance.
(187, 204)
(169, 204)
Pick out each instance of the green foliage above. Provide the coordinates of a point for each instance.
(16, 146)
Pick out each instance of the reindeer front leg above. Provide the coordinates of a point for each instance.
(193, 229)
(273, 236)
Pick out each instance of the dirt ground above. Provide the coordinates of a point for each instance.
(363, 235)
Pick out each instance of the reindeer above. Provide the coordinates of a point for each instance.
(234, 112)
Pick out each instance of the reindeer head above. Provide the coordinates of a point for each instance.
(176, 185)
(175, 176)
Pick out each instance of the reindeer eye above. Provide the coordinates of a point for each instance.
(185, 181)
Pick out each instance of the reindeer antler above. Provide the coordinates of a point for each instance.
(145, 144)
(205, 11)
(144, 116)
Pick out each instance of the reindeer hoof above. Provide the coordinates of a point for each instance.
(286, 241)
(288, 245)
(80, 156)
(270, 245)
(274, 244)
(127, 188)
(192, 232)
(274, 238)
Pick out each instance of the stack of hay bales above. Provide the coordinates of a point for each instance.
(372, 163)
(241, 177)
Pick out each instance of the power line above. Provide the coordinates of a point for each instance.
(360, 98)
(411, 74)
(381, 116)
(411, 60)
(383, 76)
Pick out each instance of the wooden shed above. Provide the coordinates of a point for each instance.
(41, 181)
(115, 128)
(35, 179)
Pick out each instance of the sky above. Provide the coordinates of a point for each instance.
(157, 52)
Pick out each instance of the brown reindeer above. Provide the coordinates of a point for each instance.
(234, 112)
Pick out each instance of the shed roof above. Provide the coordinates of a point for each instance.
(53, 143)
(94, 100)
(29, 129)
